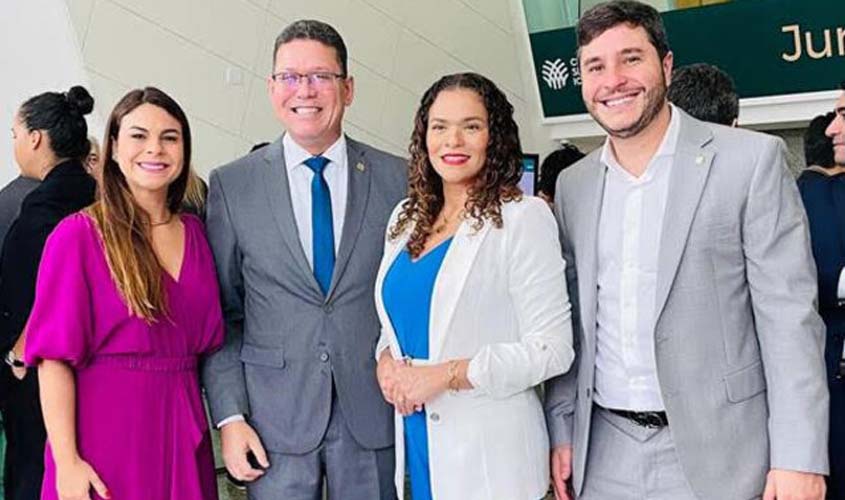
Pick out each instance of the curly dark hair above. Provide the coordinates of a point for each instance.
(497, 182)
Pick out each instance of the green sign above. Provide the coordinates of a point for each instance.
(769, 47)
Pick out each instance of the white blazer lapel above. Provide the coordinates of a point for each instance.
(450, 282)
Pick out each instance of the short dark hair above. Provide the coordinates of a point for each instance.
(310, 29)
(706, 92)
(818, 147)
(62, 117)
(607, 15)
(553, 165)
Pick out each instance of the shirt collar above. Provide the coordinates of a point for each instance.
(295, 155)
(668, 145)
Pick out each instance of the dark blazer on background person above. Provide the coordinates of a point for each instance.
(11, 198)
(824, 200)
(66, 189)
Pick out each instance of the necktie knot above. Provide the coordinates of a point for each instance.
(317, 164)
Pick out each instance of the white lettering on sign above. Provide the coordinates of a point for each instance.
(809, 44)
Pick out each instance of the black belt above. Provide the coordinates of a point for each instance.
(649, 419)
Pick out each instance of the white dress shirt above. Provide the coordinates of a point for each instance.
(300, 176)
(630, 226)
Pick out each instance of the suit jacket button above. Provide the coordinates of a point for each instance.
(328, 308)
(324, 357)
(589, 392)
(435, 417)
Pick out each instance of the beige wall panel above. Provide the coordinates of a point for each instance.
(259, 121)
(228, 28)
(419, 63)
(192, 76)
(368, 102)
(398, 118)
(80, 15)
(214, 146)
(496, 11)
(273, 25)
(106, 93)
(370, 37)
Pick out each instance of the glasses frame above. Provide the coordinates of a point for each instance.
(313, 79)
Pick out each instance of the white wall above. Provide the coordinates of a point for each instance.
(397, 49)
(38, 53)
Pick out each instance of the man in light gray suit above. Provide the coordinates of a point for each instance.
(297, 230)
(699, 370)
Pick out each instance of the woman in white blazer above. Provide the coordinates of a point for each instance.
(472, 299)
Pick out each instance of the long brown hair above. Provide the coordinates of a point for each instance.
(123, 224)
(497, 182)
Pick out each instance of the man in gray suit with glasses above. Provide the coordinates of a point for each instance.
(297, 230)
(699, 370)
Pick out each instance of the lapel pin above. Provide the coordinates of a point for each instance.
(699, 159)
(360, 167)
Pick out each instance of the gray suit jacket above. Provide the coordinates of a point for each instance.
(738, 342)
(11, 198)
(285, 341)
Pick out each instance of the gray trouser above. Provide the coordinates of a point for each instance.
(351, 472)
(627, 461)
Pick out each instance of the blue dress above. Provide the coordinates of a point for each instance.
(406, 293)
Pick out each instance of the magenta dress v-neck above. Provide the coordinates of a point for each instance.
(140, 419)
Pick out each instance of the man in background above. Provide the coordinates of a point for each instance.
(705, 92)
(551, 168)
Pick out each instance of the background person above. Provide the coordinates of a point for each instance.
(705, 92)
(126, 304)
(823, 190)
(551, 168)
(92, 160)
(49, 133)
(472, 300)
(11, 198)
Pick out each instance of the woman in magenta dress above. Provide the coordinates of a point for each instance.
(126, 303)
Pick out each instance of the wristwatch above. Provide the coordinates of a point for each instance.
(13, 361)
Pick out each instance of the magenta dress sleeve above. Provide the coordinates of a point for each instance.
(60, 324)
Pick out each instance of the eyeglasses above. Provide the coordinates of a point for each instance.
(320, 80)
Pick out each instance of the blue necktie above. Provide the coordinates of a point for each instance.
(322, 227)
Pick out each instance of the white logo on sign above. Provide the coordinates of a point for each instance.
(555, 74)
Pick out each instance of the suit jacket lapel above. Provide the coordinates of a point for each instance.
(277, 190)
(585, 241)
(450, 282)
(690, 170)
(356, 207)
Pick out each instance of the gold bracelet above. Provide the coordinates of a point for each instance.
(453, 375)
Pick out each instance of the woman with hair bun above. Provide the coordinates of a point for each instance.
(50, 141)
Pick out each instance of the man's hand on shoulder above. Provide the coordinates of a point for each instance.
(793, 485)
(237, 440)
